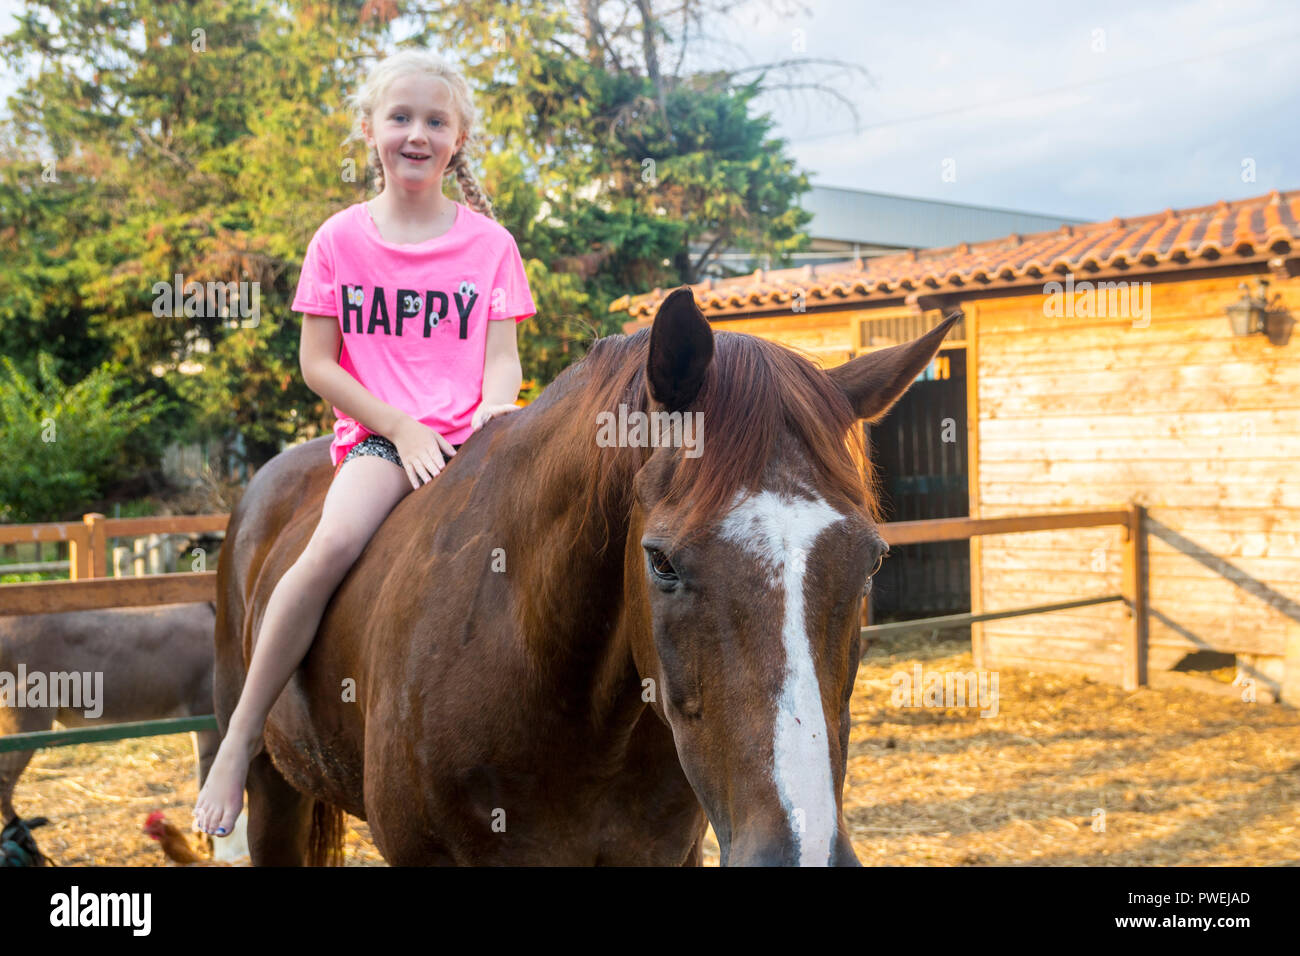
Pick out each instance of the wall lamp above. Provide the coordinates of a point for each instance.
(1250, 314)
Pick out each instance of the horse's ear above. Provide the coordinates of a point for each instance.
(875, 381)
(681, 348)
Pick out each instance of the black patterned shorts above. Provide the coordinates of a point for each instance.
(375, 445)
(379, 446)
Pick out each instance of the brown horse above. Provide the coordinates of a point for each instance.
(566, 651)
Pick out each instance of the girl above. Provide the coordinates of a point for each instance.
(407, 302)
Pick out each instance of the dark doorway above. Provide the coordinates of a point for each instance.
(919, 450)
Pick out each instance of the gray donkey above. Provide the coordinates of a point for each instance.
(124, 664)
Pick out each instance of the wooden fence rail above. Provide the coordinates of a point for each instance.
(88, 541)
(103, 733)
(89, 590)
(1134, 594)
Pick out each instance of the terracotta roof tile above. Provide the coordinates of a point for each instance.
(1244, 230)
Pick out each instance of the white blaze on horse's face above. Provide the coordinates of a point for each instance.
(780, 530)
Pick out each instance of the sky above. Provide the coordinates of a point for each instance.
(1089, 111)
(1119, 108)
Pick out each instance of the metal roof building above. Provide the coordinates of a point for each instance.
(853, 223)
(848, 216)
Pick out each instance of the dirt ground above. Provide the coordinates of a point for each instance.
(1068, 772)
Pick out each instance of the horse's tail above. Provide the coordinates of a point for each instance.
(325, 842)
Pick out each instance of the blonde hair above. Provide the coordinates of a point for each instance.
(365, 101)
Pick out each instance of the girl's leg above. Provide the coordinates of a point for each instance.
(362, 494)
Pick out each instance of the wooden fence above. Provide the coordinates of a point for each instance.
(88, 588)
(89, 585)
(1131, 520)
(86, 591)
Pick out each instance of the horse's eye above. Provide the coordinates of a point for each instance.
(866, 587)
(876, 570)
(879, 563)
(661, 566)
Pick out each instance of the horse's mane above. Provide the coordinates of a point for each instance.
(753, 389)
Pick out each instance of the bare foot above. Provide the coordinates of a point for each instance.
(222, 796)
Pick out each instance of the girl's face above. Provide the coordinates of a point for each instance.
(416, 131)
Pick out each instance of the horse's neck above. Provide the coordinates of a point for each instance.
(570, 585)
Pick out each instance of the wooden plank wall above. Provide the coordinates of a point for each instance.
(827, 337)
(1082, 413)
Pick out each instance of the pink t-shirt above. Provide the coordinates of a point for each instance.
(414, 317)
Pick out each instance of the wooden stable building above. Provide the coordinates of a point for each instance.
(1097, 367)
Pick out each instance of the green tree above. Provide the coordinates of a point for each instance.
(162, 139)
(204, 139)
(63, 446)
(612, 167)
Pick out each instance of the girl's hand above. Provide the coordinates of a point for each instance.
(485, 413)
(422, 451)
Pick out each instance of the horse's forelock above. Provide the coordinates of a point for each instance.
(753, 390)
